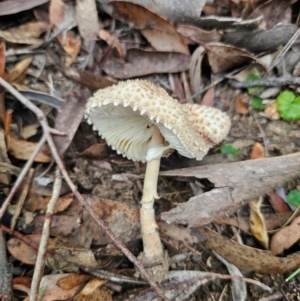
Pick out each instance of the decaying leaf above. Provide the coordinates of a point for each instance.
(159, 32)
(96, 151)
(271, 111)
(258, 224)
(261, 261)
(148, 62)
(22, 149)
(231, 185)
(285, 237)
(224, 57)
(208, 98)
(278, 203)
(109, 39)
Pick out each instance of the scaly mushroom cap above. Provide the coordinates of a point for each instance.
(125, 115)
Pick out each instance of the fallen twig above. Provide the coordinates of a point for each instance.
(267, 82)
(40, 260)
(47, 136)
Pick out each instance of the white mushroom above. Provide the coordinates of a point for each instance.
(143, 123)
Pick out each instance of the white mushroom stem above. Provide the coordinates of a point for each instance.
(153, 249)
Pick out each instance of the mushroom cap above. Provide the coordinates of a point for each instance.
(125, 115)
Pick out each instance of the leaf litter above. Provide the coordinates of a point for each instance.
(51, 50)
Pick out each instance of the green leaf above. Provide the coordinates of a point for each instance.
(293, 198)
(257, 103)
(229, 149)
(288, 105)
(254, 90)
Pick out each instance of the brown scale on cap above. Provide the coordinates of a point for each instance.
(124, 115)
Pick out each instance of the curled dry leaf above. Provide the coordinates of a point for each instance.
(258, 224)
(240, 106)
(148, 62)
(18, 69)
(258, 151)
(261, 261)
(25, 34)
(22, 149)
(160, 33)
(223, 57)
(71, 45)
(285, 237)
(195, 69)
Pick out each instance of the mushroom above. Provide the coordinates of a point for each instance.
(143, 123)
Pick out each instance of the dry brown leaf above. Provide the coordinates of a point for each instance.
(22, 149)
(2, 58)
(22, 251)
(285, 237)
(273, 221)
(25, 34)
(240, 106)
(139, 63)
(223, 57)
(209, 97)
(57, 10)
(246, 258)
(196, 35)
(87, 79)
(258, 224)
(271, 111)
(109, 39)
(278, 203)
(258, 151)
(52, 291)
(159, 32)
(96, 151)
(22, 284)
(122, 219)
(71, 45)
(18, 69)
(87, 17)
(69, 118)
(94, 290)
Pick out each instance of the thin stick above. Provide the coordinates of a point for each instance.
(22, 198)
(40, 260)
(47, 136)
(267, 82)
